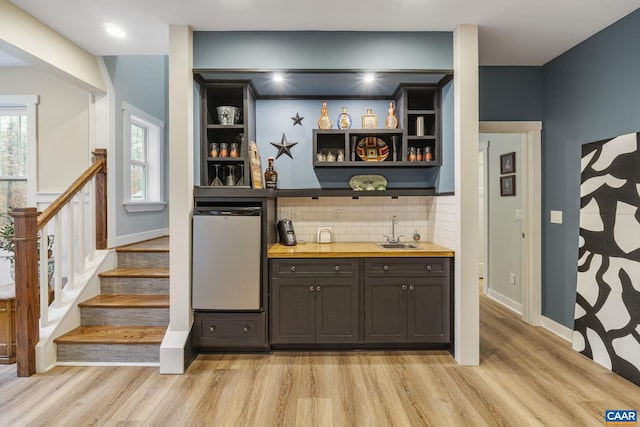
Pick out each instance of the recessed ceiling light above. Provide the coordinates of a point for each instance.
(369, 77)
(115, 31)
(278, 77)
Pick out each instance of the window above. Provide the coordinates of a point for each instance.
(144, 160)
(13, 157)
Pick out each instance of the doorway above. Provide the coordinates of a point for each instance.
(513, 223)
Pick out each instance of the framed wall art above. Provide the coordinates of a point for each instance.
(507, 163)
(508, 185)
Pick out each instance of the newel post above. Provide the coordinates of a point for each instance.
(100, 155)
(25, 221)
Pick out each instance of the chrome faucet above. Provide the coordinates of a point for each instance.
(393, 238)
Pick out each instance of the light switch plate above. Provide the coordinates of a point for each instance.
(556, 217)
(519, 215)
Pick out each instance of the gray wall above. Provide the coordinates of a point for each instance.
(140, 81)
(591, 92)
(510, 93)
(587, 94)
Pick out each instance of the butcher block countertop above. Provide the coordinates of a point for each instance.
(355, 250)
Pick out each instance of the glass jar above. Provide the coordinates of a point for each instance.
(213, 150)
(224, 150)
(233, 151)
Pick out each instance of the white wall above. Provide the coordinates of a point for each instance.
(63, 125)
(505, 231)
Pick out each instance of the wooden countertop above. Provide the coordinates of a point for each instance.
(355, 250)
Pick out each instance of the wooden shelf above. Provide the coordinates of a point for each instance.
(227, 192)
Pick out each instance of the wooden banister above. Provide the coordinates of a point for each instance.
(27, 223)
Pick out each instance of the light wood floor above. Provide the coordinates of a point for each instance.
(527, 377)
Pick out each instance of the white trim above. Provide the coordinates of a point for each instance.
(512, 305)
(532, 247)
(466, 296)
(484, 148)
(138, 237)
(557, 329)
(133, 206)
(29, 102)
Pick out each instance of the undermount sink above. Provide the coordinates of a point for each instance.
(398, 246)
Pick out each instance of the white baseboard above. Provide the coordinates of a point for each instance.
(557, 329)
(507, 302)
(138, 237)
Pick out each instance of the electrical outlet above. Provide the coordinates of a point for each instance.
(512, 278)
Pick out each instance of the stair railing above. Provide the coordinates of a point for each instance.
(33, 251)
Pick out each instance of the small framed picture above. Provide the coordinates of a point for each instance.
(508, 185)
(507, 163)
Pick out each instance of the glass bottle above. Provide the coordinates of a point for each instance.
(391, 122)
(213, 149)
(324, 122)
(427, 155)
(419, 155)
(224, 150)
(344, 119)
(271, 176)
(412, 154)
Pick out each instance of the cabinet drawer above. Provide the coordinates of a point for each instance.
(335, 267)
(406, 267)
(229, 330)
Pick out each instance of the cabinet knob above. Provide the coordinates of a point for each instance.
(318, 288)
(245, 329)
(428, 268)
(404, 287)
(293, 268)
(337, 268)
(212, 328)
(412, 288)
(311, 288)
(385, 268)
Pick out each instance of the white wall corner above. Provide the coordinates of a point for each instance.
(466, 133)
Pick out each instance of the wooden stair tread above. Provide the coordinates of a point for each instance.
(134, 272)
(114, 335)
(160, 244)
(127, 301)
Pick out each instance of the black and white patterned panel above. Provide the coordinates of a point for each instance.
(607, 316)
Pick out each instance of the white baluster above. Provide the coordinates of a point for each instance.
(70, 246)
(57, 256)
(92, 219)
(44, 279)
(81, 233)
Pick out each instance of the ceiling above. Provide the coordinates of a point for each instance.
(511, 32)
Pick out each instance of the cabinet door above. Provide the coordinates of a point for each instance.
(292, 311)
(428, 310)
(336, 310)
(385, 310)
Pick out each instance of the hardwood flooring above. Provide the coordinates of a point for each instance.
(527, 377)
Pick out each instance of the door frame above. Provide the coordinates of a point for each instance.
(531, 248)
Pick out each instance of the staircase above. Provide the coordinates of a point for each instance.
(127, 321)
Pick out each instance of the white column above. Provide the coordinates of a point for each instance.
(466, 297)
(172, 350)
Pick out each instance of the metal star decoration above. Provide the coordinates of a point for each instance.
(297, 120)
(284, 147)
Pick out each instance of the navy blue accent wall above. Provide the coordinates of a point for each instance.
(591, 93)
(510, 93)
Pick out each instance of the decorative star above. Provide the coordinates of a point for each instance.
(297, 120)
(284, 147)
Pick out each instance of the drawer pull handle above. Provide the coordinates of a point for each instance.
(337, 268)
(404, 287)
(311, 288)
(412, 288)
(318, 288)
(245, 329)
(293, 268)
(385, 268)
(428, 268)
(212, 328)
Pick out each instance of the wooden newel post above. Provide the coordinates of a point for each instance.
(27, 288)
(100, 155)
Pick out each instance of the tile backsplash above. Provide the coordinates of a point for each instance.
(366, 219)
